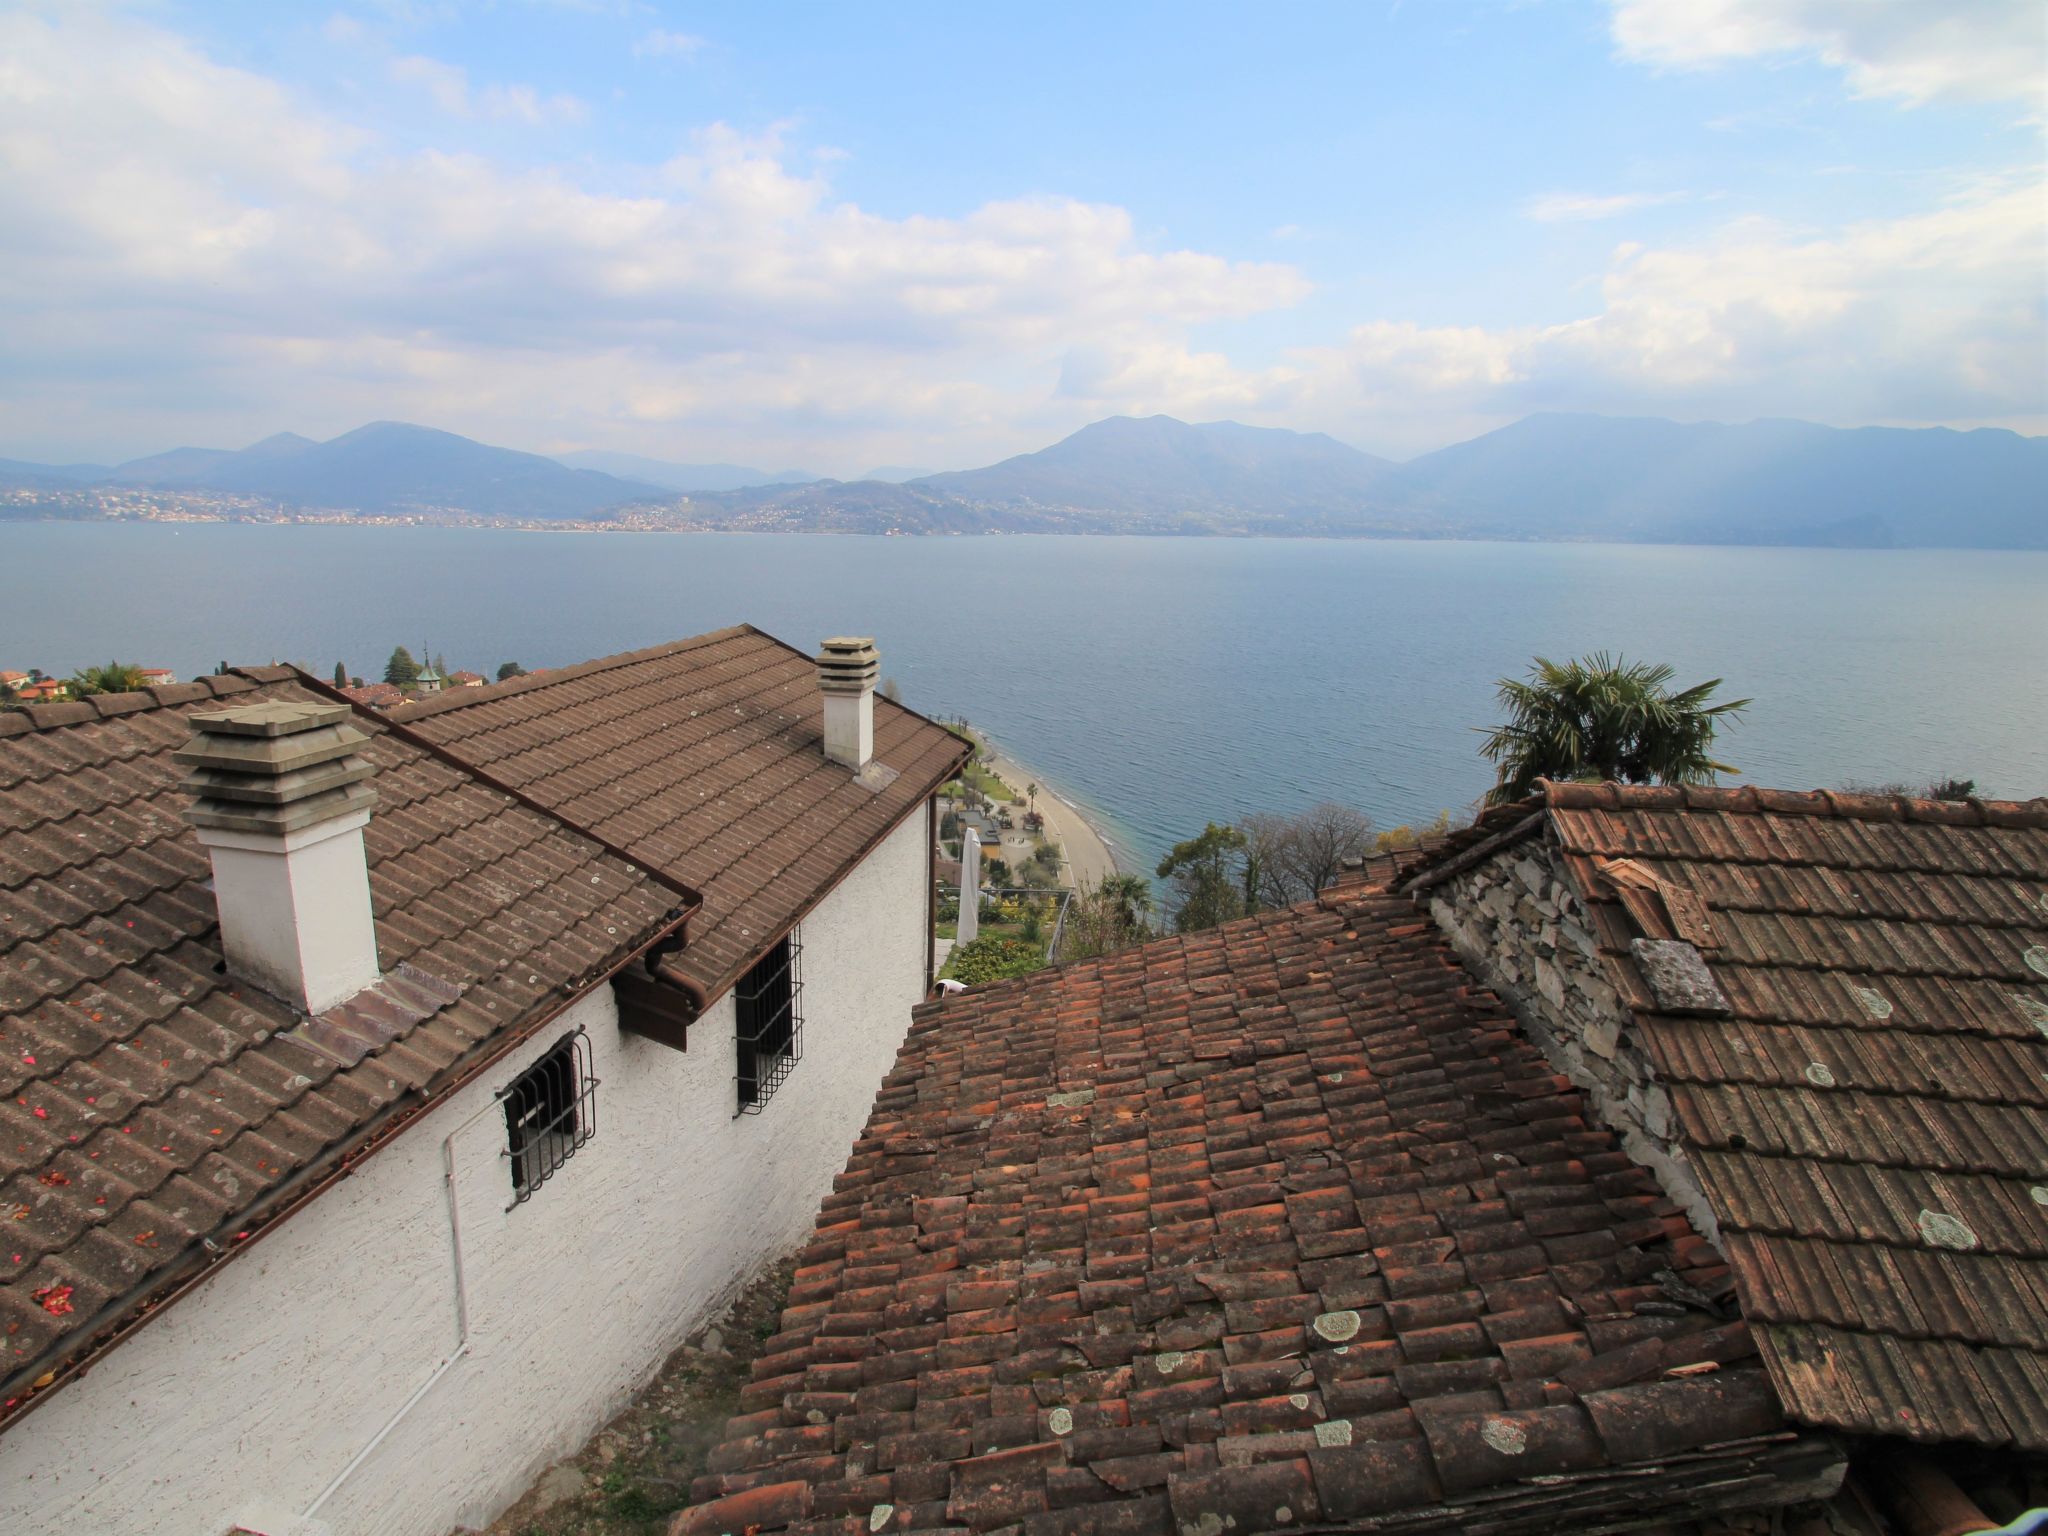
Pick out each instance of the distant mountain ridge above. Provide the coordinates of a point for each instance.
(1157, 466)
(383, 468)
(1546, 477)
(687, 478)
(1762, 482)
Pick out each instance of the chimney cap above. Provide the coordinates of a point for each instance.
(275, 768)
(849, 664)
(275, 717)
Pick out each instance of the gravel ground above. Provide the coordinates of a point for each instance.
(635, 1474)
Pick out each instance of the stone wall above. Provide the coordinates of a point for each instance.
(1520, 928)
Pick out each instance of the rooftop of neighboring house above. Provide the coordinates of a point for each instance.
(1865, 1106)
(1283, 1225)
(157, 1115)
(702, 758)
(384, 696)
(467, 679)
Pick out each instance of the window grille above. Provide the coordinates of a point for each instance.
(550, 1111)
(768, 1007)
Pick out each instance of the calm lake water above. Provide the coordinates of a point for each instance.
(1161, 683)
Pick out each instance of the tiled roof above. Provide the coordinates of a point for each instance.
(704, 759)
(1871, 1124)
(384, 696)
(155, 1114)
(1280, 1225)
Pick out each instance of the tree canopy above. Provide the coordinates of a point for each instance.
(114, 677)
(401, 670)
(1212, 880)
(1602, 717)
(1104, 918)
(510, 669)
(1293, 857)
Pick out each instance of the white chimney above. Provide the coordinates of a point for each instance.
(280, 805)
(970, 887)
(847, 669)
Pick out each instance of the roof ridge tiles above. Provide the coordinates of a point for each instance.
(1751, 799)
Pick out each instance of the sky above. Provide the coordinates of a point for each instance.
(830, 237)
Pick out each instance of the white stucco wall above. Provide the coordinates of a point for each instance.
(245, 1399)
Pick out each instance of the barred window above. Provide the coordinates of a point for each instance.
(550, 1111)
(768, 1008)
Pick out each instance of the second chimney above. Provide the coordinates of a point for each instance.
(279, 803)
(847, 669)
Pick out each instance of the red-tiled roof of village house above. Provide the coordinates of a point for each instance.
(1284, 1225)
(704, 759)
(1871, 1125)
(384, 696)
(155, 1114)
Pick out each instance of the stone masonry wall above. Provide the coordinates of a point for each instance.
(1520, 928)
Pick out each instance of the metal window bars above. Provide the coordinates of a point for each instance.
(550, 1111)
(769, 1022)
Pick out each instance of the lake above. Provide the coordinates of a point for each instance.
(1160, 683)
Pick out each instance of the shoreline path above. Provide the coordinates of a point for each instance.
(1088, 855)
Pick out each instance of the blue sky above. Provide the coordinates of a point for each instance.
(833, 236)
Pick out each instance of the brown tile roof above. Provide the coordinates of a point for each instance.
(704, 759)
(155, 1114)
(1279, 1225)
(1871, 1124)
(385, 696)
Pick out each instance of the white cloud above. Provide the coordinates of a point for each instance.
(166, 213)
(1912, 50)
(1560, 207)
(448, 85)
(1933, 317)
(189, 253)
(662, 44)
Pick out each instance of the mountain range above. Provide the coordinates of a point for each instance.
(687, 478)
(1549, 476)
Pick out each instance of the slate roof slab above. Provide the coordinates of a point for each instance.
(1282, 1225)
(703, 759)
(155, 1114)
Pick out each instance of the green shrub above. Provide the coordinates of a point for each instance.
(993, 958)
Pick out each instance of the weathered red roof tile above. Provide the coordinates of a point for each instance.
(1870, 1126)
(1275, 1225)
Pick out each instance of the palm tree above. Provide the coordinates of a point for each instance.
(1602, 717)
(114, 677)
(1131, 898)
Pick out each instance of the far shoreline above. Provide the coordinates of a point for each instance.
(1305, 536)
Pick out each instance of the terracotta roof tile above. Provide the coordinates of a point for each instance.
(151, 1108)
(1871, 1126)
(1283, 1223)
(704, 760)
